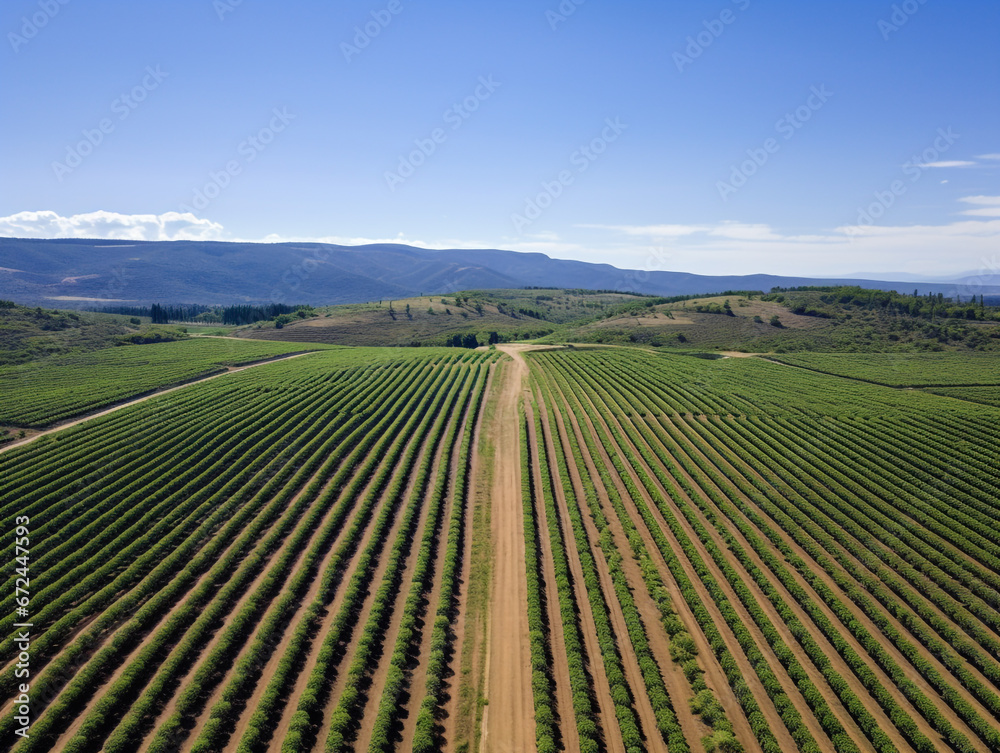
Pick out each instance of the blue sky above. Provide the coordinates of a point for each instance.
(718, 137)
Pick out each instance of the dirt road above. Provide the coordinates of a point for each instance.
(508, 720)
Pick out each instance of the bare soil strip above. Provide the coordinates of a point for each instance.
(508, 721)
(469, 626)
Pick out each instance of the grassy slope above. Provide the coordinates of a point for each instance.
(31, 333)
(478, 312)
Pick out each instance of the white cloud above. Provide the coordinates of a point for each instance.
(745, 231)
(989, 206)
(981, 199)
(988, 156)
(949, 163)
(170, 226)
(653, 231)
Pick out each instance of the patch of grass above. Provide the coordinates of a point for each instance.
(473, 653)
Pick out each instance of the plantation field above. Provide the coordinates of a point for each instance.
(984, 395)
(532, 548)
(768, 558)
(283, 572)
(40, 393)
(905, 369)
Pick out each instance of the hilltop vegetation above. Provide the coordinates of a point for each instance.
(832, 319)
(30, 334)
(829, 319)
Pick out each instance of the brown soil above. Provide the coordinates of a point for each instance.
(508, 719)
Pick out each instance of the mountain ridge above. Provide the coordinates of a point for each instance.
(77, 273)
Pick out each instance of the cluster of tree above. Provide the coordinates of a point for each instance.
(468, 340)
(153, 335)
(235, 315)
(715, 308)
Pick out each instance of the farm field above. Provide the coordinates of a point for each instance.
(40, 393)
(905, 369)
(531, 548)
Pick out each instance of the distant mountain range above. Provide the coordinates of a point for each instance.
(76, 273)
